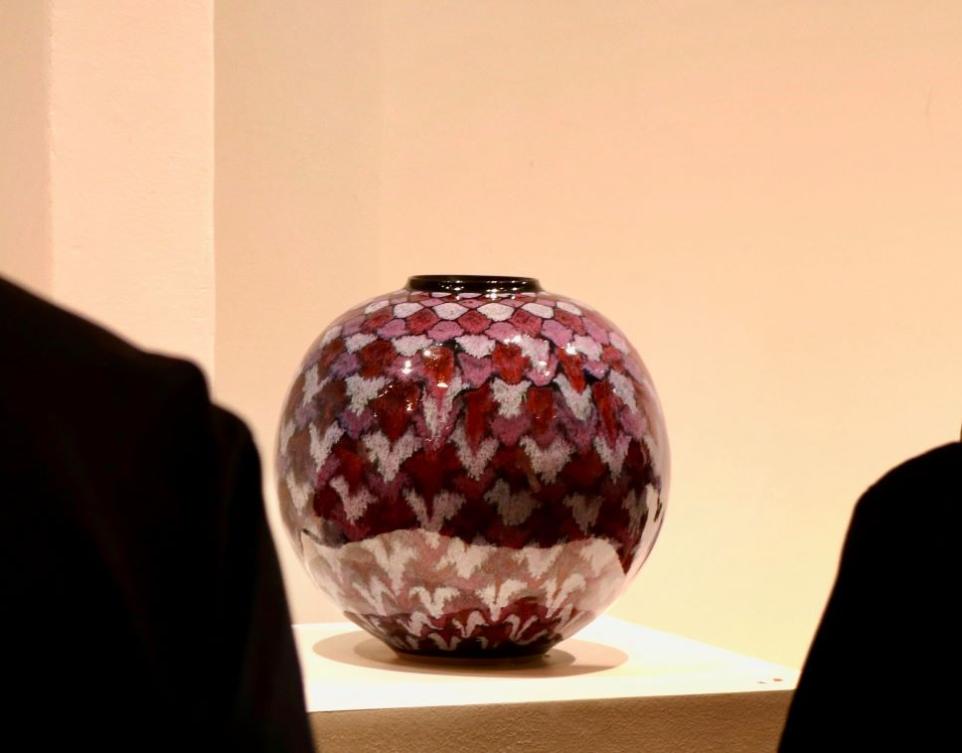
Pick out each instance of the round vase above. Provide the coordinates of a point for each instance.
(472, 466)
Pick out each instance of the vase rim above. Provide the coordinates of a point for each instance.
(474, 284)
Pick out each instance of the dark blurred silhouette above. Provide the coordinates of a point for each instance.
(143, 607)
(881, 670)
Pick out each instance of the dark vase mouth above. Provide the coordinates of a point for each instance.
(473, 284)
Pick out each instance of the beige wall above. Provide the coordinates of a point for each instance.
(24, 250)
(131, 174)
(766, 196)
(106, 163)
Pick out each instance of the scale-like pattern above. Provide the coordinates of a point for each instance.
(472, 474)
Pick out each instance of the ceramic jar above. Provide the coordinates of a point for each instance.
(472, 466)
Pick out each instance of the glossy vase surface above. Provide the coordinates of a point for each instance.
(472, 466)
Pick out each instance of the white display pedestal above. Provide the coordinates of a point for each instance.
(615, 688)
